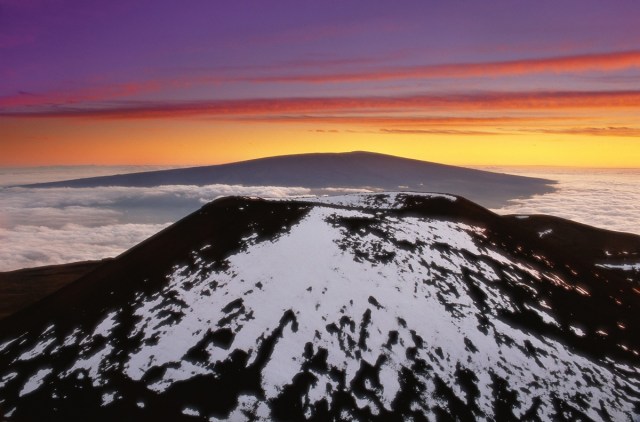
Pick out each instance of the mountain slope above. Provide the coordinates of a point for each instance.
(388, 306)
(21, 288)
(340, 170)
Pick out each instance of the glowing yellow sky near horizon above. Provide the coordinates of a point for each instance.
(48, 141)
(490, 83)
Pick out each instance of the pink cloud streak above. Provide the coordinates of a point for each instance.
(564, 64)
(550, 100)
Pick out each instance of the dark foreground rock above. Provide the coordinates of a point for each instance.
(21, 288)
(365, 307)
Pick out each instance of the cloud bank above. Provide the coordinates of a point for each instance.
(31, 246)
(561, 64)
(260, 107)
(608, 199)
(59, 225)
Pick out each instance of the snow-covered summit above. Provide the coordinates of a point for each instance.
(366, 307)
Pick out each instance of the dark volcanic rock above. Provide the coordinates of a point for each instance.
(365, 307)
(21, 288)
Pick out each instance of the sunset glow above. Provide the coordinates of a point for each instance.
(504, 83)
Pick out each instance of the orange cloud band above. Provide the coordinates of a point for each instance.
(409, 121)
(564, 64)
(423, 103)
(619, 131)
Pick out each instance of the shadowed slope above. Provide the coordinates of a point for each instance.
(21, 288)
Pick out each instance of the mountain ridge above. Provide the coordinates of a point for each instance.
(380, 306)
(324, 172)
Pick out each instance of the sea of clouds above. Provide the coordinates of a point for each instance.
(57, 225)
(605, 198)
(11, 176)
(46, 226)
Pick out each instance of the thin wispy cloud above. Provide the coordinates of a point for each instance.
(624, 131)
(437, 132)
(564, 64)
(412, 121)
(533, 100)
(77, 96)
(603, 62)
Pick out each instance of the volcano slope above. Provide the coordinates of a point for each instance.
(334, 172)
(366, 307)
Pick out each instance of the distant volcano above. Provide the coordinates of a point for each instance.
(385, 307)
(325, 172)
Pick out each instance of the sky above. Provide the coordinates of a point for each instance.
(545, 82)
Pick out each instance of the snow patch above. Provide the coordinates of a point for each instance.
(545, 233)
(190, 411)
(35, 381)
(4, 380)
(577, 331)
(108, 398)
(623, 267)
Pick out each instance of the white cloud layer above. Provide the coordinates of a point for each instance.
(55, 207)
(609, 199)
(59, 225)
(31, 246)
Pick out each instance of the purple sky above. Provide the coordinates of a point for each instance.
(58, 58)
(48, 46)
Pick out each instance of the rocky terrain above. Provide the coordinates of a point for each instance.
(21, 288)
(386, 307)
